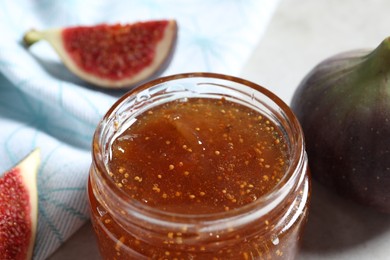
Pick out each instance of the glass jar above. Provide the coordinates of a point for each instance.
(268, 227)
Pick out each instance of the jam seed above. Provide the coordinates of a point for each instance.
(156, 188)
(119, 243)
(279, 253)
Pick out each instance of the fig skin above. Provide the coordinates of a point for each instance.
(343, 105)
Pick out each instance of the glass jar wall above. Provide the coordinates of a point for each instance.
(199, 166)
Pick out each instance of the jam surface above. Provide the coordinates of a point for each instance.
(198, 156)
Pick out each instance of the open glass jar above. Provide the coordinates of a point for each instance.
(233, 202)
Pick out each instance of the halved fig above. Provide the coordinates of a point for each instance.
(19, 209)
(112, 56)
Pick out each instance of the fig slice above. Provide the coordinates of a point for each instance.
(19, 208)
(112, 56)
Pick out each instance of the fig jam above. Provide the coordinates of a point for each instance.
(197, 178)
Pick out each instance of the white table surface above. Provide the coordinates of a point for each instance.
(301, 34)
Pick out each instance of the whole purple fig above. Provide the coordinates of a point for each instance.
(343, 105)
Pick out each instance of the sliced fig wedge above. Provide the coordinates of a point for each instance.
(112, 56)
(19, 209)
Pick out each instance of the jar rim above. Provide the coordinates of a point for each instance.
(297, 160)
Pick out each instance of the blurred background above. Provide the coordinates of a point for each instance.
(301, 34)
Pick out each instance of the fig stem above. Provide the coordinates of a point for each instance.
(32, 37)
(378, 61)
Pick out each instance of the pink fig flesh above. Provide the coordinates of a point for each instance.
(18, 209)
